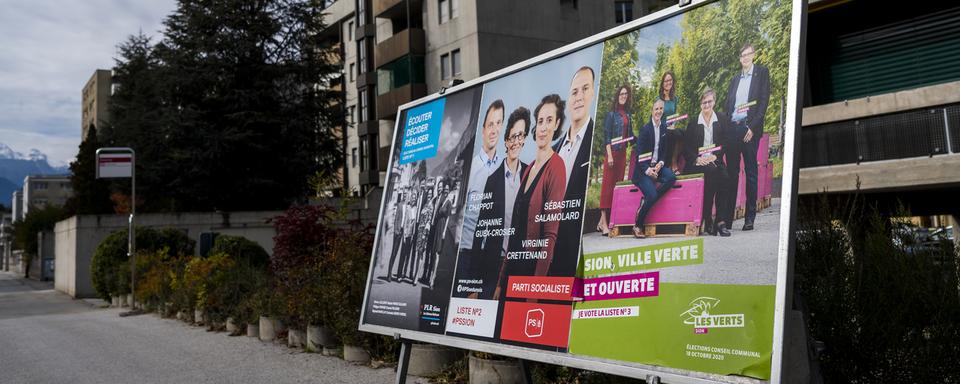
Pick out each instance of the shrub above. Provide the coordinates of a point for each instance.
(347, 257)
(105, 268)
(241, 250)
(229, 284)
(303, 233)
(155, 271)
(883, 312)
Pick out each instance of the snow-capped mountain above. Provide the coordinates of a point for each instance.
(14, 166)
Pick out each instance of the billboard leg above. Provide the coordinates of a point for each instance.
(403, 362)
(653, 379)
(525, 366)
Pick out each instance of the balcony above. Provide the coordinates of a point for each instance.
(407, 41)
(388, 102)
(381, 6)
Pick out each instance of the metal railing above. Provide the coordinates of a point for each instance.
(916, 133)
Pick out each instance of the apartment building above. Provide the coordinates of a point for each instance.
(95, 101)
(881, 113)
(45, 190)
(396, 51)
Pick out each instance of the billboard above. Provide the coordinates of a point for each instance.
(621, 204)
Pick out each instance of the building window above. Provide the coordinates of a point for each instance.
(361, 12)
(444, 66)
(353, 72)
(450, 64)
(353, 156)
(363, 153)
(349, 31)
(362, 55)
(623, 11)
(399, 73)
(455, 61)
(39, 186)
(364, 106)
(352, 114)
(449, 10)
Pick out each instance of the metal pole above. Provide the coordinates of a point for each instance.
(946, 127)
(403, 362)
(131, 233)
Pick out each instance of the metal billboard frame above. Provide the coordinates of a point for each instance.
(650, 373)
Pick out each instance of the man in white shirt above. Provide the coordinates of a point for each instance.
(483, 165)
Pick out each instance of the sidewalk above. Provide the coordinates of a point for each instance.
(48, 337)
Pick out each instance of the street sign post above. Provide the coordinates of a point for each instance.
(120, 163)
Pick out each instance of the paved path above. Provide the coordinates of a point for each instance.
(47, 337)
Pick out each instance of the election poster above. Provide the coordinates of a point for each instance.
(623, 201)
(524, 202)
(681, 250)
(420, 219)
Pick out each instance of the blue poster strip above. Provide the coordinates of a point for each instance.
(421, 132)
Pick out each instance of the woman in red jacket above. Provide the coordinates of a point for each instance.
(537, 210)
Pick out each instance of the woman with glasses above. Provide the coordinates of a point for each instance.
(617, 134)
(492, 237)
(700, 141)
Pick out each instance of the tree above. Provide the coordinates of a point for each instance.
(25, 231)
(231, 109)
(90, 195)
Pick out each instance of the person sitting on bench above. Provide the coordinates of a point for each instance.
(657, 140)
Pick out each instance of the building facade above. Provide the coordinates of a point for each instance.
(95, 101)
(16, 210)
(46, 190)
(881, 115)
(396, 51)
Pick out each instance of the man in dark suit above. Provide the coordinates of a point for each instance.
(574, 149)
(502, 187)
(746, 103)
(657, 140)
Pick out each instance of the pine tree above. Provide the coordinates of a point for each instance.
(90, 195)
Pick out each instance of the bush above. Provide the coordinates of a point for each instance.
(884, 313)
(303, 232)
(105, 267)
(156, 270)
(229, 284)
(241, 250)
(347, 257)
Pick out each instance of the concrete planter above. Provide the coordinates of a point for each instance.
(268, 328)
(319, 337)
(332, 350)
(232, 325)
(295, 338)
(429, 359)
(123, 301)
(198, 317)
(253, 330)
(131, 302)
(356, 354)
(483, 371)
(115, 301)
(181, 316)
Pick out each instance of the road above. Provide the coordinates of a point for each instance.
(47, 337)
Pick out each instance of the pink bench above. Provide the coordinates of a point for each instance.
(683, 204)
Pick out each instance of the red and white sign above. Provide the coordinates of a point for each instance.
(114, 165)
(536, 323)
(472, 316)
(541, 287)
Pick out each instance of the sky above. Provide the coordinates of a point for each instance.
(666, 32)
(48, 51)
